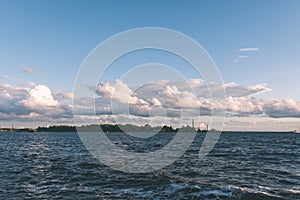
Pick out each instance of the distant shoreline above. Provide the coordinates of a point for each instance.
(110, 128)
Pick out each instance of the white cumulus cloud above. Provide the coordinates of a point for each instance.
(32, 103)
(40, 96)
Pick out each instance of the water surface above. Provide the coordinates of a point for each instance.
(241, 166)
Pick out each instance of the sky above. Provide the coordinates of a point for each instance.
(255, 45)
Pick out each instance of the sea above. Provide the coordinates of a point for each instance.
(56, 165)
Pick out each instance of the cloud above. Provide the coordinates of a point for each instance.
(4, 77)
(273, 108)
(249, 49)
(32, 103)
(245, 51)
(235, 90)
(242, 56)
(28, 70)
(40, 96)
(156, 102)
(118, 91)
(282, 109)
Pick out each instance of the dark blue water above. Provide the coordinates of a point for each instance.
(241, 166)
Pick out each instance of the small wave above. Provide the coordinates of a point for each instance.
(216, 193)
(294, 191)
(262, 192)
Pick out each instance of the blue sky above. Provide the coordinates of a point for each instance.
(53, 37)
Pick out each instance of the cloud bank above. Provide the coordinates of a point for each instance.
(192, 96)
(156, 101)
